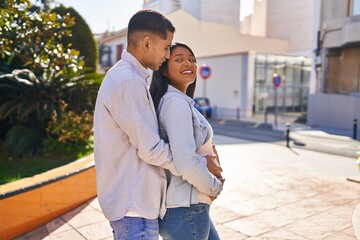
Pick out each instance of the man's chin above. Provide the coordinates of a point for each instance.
(155, 68)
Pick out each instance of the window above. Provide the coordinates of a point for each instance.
(293, 91)
(343, 71)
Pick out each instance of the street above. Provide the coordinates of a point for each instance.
(303, 138)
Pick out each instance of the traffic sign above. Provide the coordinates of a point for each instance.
(276, 80)
(205, 71)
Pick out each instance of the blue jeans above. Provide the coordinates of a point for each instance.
(135, 228)
(190, 223)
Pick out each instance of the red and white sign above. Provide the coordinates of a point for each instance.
(276, 80)
(205, 71)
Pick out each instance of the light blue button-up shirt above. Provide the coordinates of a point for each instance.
(129, 154)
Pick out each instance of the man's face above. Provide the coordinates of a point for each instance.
(158, 51)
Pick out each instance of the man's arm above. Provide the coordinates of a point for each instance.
(133, 113)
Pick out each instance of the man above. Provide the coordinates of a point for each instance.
(130, 157)
(129, 154)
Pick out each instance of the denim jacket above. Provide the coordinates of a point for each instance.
(179, 125)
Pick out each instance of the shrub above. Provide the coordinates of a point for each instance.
(69, 133)
(23, 141)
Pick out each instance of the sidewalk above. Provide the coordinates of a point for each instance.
(271, 192)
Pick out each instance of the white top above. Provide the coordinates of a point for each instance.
(204, 150)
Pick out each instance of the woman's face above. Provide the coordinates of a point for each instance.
(181, 68)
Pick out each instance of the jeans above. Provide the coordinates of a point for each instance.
(135, 228)
(188, 223)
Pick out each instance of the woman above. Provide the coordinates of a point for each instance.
(190, 138)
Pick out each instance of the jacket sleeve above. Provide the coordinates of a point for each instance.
(132, 109)
(176, 117)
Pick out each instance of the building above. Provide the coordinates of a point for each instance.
(223, 12)
(243, 56)
(334, 99)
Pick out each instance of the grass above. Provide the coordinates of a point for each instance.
(15, 168)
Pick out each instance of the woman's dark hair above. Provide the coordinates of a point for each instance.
(151, 21)
(159, 83)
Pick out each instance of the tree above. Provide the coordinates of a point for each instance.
(81, 38)
(48, 72)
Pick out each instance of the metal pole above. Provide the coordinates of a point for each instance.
(266, 115)
(287, 134)
(355, 128)
(237, 113)
(276, 108)
(204, 90)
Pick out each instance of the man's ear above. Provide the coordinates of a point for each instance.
(146, 43)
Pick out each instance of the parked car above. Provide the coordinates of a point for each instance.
(202, 104)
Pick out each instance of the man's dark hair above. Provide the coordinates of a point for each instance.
(151, 21)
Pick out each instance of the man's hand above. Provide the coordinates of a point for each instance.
(215, 152)
(214, 168)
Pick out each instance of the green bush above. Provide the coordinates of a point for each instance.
(72, 132)
(23, 141)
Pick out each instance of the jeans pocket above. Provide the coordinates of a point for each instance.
(200, 207)
(121, 228)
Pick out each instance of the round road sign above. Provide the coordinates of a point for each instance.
(205, 71)
(276, 80)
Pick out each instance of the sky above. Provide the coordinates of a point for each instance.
(114, 15)
(111, 15)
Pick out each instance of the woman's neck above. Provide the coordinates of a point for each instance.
(180, 88)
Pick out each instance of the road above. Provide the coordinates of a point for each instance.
(309, 139)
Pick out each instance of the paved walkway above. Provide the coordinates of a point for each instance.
(271, 192)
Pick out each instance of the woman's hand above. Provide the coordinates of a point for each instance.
(222, 180)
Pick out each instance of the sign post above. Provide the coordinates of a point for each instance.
(205, 73)
(276, 80)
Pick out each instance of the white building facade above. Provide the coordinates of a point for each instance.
(224, 11)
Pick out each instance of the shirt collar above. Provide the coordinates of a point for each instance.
(143, 72)
(175, 90)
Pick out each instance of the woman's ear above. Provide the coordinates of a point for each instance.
(165, 73)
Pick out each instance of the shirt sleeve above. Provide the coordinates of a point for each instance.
(176, 117)
(132, 110)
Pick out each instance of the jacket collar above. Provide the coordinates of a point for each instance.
(174, 90)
